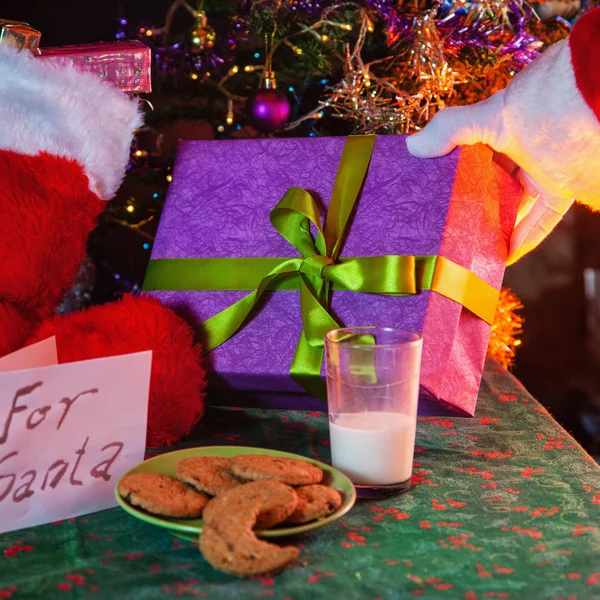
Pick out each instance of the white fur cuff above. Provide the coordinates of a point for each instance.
(55, 109)
(556, 135)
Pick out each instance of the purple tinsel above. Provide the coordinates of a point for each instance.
(458, 31)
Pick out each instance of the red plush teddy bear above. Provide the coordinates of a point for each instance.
(64, 146)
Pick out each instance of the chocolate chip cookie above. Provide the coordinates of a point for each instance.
(161, 495)
(276, 502)
(256, 467)
(237, 551)
(314, 502)
(206, 474)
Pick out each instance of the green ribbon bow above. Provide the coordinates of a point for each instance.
(316, 272)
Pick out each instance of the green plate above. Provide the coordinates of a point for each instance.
(189, 529)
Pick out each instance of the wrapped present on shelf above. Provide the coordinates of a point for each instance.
(125, 64)
(267, 244)
(19, 35)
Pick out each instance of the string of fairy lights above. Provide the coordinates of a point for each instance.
(248, 68)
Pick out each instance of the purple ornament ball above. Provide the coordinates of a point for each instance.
(267, 109)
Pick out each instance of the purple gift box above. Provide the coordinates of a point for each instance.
(462, 207)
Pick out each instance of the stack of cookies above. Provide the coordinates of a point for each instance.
(235, 497)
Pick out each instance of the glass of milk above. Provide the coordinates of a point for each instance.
(373, 391)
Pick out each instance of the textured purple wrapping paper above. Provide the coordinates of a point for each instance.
(462, 206)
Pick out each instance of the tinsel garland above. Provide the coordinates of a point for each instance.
(507, 327)
(386, 66)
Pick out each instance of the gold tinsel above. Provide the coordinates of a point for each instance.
(506, 329)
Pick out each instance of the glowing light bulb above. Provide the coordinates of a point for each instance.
(229, 117)
(169, 178)
(130, 208)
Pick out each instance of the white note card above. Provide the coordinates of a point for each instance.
(67, 434)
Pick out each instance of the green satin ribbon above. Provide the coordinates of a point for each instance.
(315, 273)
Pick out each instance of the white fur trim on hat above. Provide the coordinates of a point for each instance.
(556, 135)
(55, 109)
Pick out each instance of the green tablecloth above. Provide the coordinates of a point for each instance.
(504, 505)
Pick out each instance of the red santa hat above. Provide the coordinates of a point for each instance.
(584, 43)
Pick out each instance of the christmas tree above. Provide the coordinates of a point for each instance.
(248, 68)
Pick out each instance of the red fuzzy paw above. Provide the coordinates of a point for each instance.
(135, 324)
(16, 326)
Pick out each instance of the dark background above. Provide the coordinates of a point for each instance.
(65, 22)
(553, 361)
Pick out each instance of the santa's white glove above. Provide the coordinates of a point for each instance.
(546, 123)
(484, 122)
